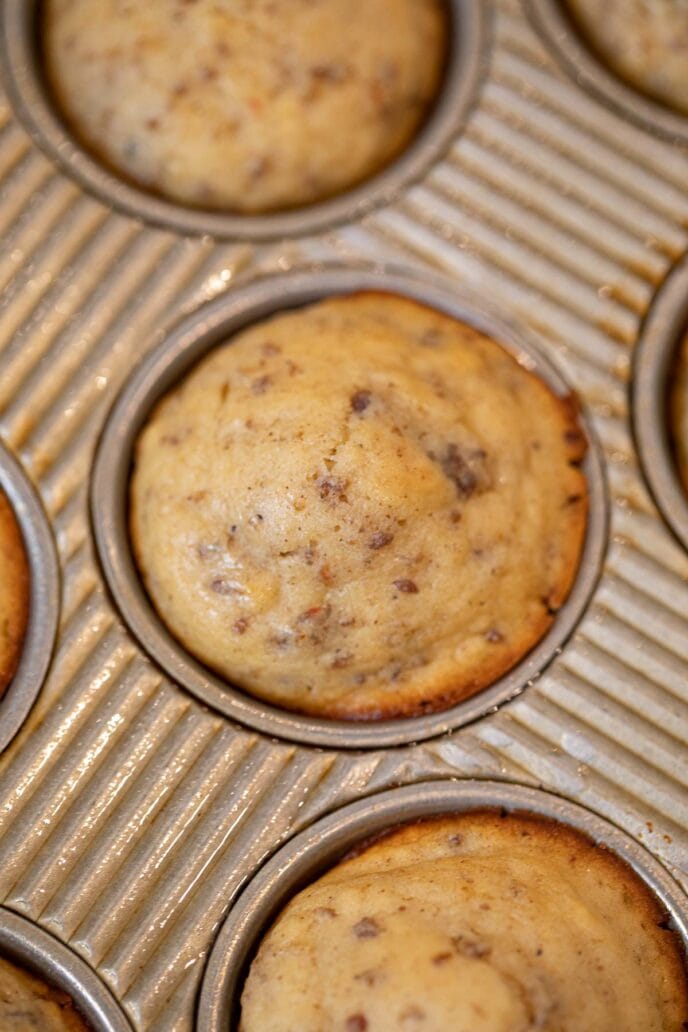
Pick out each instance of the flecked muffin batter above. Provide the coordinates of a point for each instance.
(679, 411)
(245, 105)
(27, 1004)
(643, 41)
(474, 923)
(360, 509)
(14, 592)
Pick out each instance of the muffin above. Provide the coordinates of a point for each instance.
(14, 593)
(644, 42)
(27, 1004)
(360, 509)
(480, 922)
(679, 411)
(248, 106)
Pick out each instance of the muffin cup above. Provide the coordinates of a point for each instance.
(660, 337)
(307, 856)
(565, 42)
(212, 324)
(29, 946)
(26, 88)
(44, 597)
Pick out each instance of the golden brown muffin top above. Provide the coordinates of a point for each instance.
(14, 592)
(478, 922)
(27, 1004)
(245, 106)
(359, 509)
(645, 42)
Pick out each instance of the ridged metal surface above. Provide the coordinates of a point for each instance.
(130, 815)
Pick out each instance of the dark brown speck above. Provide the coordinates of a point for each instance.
(333, 487)
(222, 587)
(469, 947)
(408, 587)
(356, 1023)
(360, 401)
(366, 928)
(261, 384)
(380, 539)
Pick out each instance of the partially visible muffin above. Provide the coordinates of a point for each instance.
(27, 1004)
(362, 509)
(14, 592)
(644, 42)
(245, 106)
(679, 410)
(478, 922)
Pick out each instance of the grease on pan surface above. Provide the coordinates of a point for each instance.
(245, 107)
(645, 42)
(362, 509)
(27, 1004)
(14, 592)
(478, 922)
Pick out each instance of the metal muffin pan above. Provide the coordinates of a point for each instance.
(582, 64)
(189, 341)
(34, 949)
(130, 812)
(44, 597)
(26, 86)
(662, 332)
(307, 856)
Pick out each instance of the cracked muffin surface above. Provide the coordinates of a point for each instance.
(248, 106)
(479, 922)
(27, 1004)
(360, 509)
(14, 592)
(645, 42)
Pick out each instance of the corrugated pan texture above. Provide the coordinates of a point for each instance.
(129, 815)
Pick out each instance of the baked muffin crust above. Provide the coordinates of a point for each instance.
(360, 509)
(476, 923)
(248, 106)
(27, 1004)
(645, 42)
(14, 593)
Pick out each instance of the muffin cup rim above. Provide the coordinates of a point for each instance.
(309, 853)
(660, 335)
(590, 72)
(28, 93)
(32, 947)
(182, 348)
(44, 596)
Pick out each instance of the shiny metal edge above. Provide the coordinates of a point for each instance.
(36, 950)
(212, 324)
(589, 71)
(311, 852)
(660, 336)
(24, 84)
(44, 597)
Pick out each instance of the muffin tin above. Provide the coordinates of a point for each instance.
(316, 850)
(20, 58)
(663, 330)
(44, 600)
(577, 59)
(190, 340)
(132, 807)
(32, 948)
